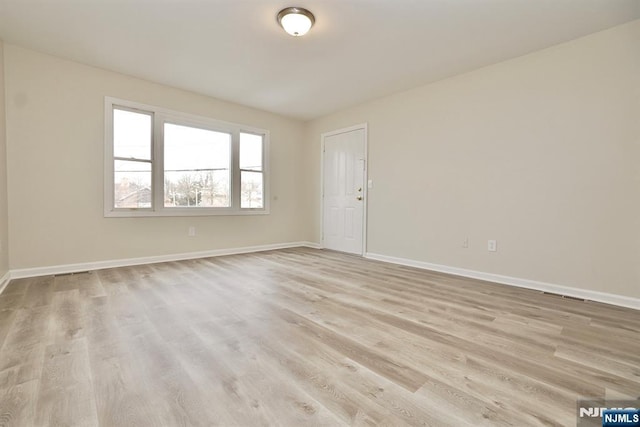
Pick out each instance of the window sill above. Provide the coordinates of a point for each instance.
(177, 212)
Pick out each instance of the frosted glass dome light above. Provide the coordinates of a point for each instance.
(296, 20)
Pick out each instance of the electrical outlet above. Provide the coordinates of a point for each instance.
(192, 231)
(492, 246)
(465, 242)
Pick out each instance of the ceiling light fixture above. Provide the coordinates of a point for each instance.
(296, 20)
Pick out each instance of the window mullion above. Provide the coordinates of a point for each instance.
(235, 169)
(158, 162)
(109, 167)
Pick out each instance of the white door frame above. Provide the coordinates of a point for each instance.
(365, 185)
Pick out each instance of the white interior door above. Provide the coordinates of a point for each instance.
(344, 191)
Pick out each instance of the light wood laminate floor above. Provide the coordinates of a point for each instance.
(303, 337)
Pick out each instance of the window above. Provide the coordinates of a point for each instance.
(197, 167)
(164, 163)
(251, 179)
(132, 139)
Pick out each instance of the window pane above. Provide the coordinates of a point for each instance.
(250, 151)
(196, 167)
(131, 134)
(251, 190)
(132, 184)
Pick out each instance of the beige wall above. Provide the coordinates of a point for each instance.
(55, 135)
(4, 222)
(541, 153)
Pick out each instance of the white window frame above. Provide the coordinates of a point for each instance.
(160, 116)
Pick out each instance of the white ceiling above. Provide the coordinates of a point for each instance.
(358, 50)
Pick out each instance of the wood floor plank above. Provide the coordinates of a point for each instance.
(65, 395)
(17, 404)
(38, 292)
(257, 377)
(303, 337)
(6, 319)
(66, 320)
(441, 363)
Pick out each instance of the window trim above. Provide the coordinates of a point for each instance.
(160, 116)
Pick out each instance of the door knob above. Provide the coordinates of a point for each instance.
(359, 197)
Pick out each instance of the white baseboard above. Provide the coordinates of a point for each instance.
(98, 265)
(604, 297)
(4, 281)
(311, 245)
